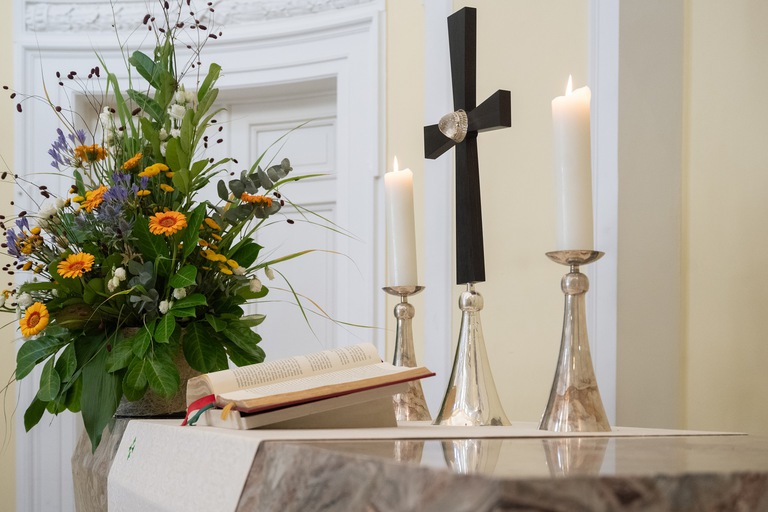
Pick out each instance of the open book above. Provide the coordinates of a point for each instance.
(343, 387)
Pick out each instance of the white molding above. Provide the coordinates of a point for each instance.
(345, 44)
(92, 16)
(439, 276)
(602, 305)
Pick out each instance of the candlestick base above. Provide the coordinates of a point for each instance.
(411, 405)
(471, 397)
(574, 402)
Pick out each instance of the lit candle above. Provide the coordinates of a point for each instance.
(573, 169)
(401, 233)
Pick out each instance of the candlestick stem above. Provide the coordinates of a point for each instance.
(574, 403)
(411, 405)
(471, 397)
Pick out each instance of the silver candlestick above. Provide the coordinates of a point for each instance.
(574, 401)
(471, 397)
(411, 405)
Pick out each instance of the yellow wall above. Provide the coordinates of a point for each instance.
(726, 215)
(7, 335)
(528, 48)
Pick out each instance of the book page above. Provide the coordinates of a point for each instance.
(290, 368)
(319, 386)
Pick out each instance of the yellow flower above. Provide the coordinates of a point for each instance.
(75, 265)
(216, 237)
(78, 199)
(202, 243)
(92, 153)
(212, 224)
(169, 174)
(232, 263)
(221, 257)
(35, 230)
(209, 255)
(165, 187)
(132, 162)
(27, 266)
(167, 223)
(142, 193)
(93, 198)
(38, 269)
(224, 270)
(35, 319)
(153, 170)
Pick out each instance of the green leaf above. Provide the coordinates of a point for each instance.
(191, 301)
(243, 337)
(33, 351)
(67, 363)
(217, 323)
(210, 79)
(172, 151)
(32, 287)
(165, 328)
(74, 395)
(184, 277)
(247, 254)
(181, 178)
(205, 103)
(141, 341)
(182, 313)
(221, 189)
(146, 68)
(100, 396)
(162, 375)
(135, 380)
(252, 320)
(50, 383)
(34, 413)
(185, 139)
(151, 246)
(192, 231)
(151, 134)
(241, 357)
(246, 293)
(148, 105)
(201, 349)
(121, 355)
(93, 290)
(237, 187)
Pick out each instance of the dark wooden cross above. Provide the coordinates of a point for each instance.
(492, 114)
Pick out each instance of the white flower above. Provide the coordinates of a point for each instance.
(175, 132)
(163, 134)
(163, 148)
(190, 96)
(59, 203)
(120, 274)
(45, 216)
(113, 284)
(177, 111)
(255, 285)
(180, 97)
(55, 292)
(25, 300)
(164, 306)
(239, 271)
(179, 293)
(269, 273)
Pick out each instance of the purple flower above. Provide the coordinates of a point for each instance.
(13, 244)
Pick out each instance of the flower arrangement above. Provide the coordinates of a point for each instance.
(130, 271)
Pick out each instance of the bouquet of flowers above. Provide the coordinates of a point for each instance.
(130, 273)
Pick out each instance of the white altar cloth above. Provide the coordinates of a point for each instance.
(157, 465)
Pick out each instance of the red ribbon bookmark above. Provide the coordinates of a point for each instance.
(198, 404)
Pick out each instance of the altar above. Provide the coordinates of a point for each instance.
(424, 469)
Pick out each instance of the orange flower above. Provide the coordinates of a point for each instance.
(76, 265)
(260, 200)
(141, 193)
(166, 188)
(90, 154)
(35, 319)
(153, 170)
(93, 198)
(167, 223)
(132, 162)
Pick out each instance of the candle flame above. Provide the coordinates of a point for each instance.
(569, 87)
(394, 166)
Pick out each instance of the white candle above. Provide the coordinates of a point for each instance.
(573, 169)
(401, 232)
